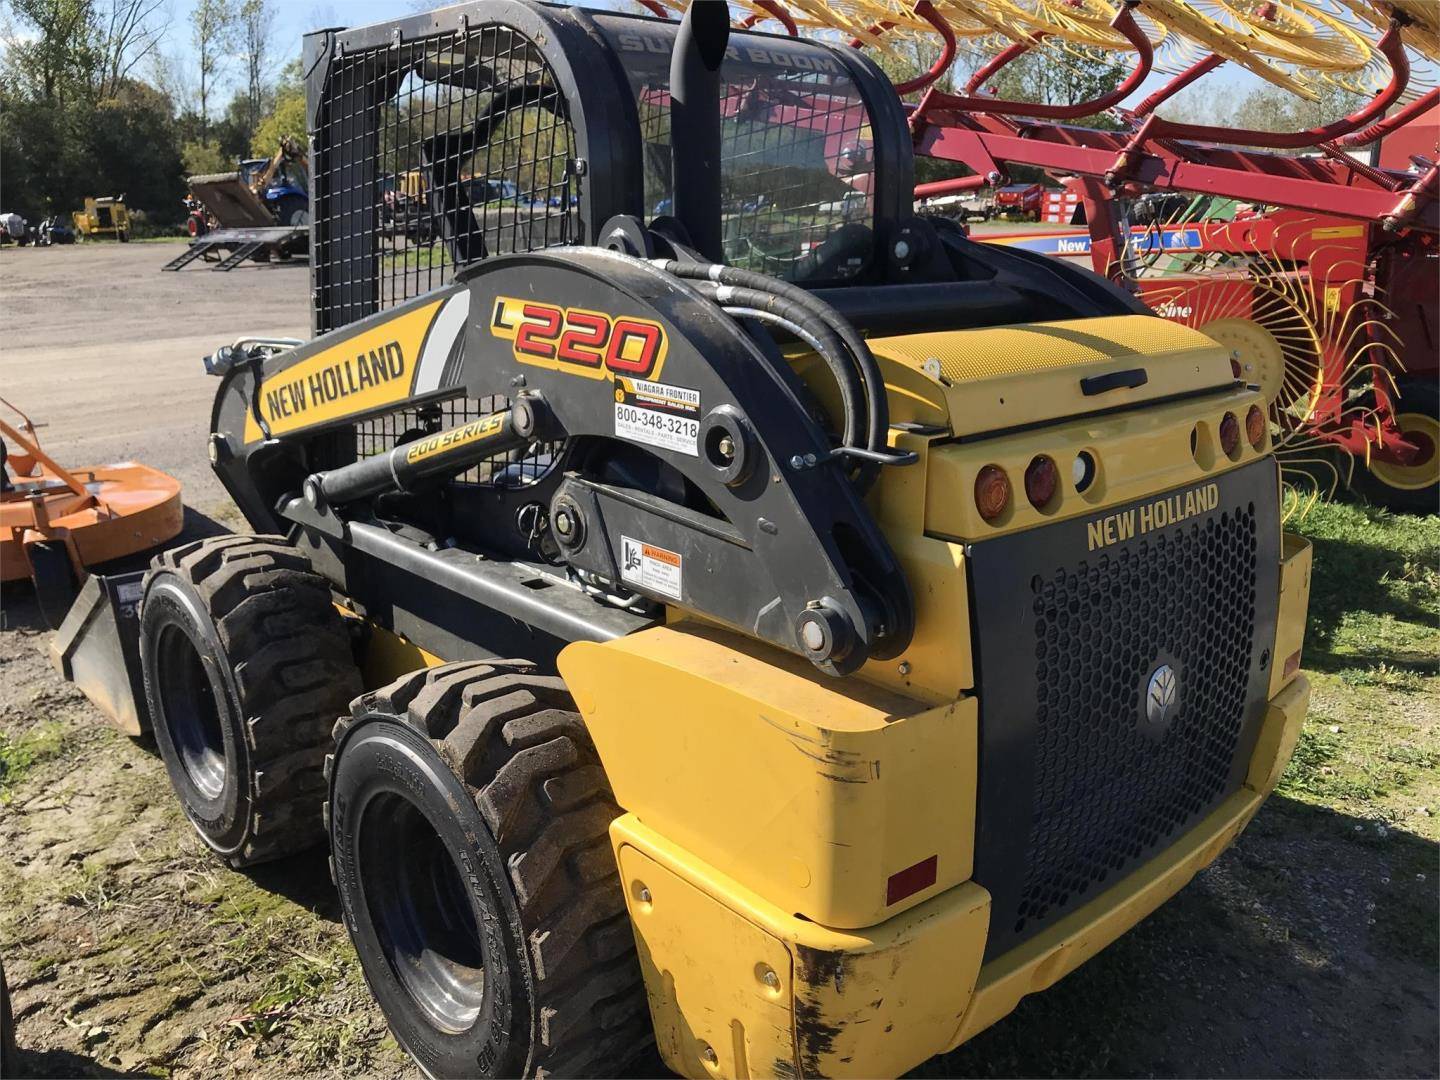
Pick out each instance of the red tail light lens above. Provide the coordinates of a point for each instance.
(1229, 434)
(992, 492)
(1255, 426)
(1041, 480)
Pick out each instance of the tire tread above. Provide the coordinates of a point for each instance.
(514, 739)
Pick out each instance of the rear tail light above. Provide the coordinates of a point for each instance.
(992, 492)
(1229, 434)
(1255, 426)
(1041, 480)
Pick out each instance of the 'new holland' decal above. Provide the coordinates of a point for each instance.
(384, 365)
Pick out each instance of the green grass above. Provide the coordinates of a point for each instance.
(1375, 597)
(20, 753)
(1370, 747)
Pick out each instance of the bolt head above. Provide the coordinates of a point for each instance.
(707, 1053)
(797, 462)
(726, 446)
(644, 895)
(563, 524)
(904, 667)
(770, 979)
(902, 249)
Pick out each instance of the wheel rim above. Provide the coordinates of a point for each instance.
(1424, 471)
(191, 712)
(1253, 347)
(422, 912)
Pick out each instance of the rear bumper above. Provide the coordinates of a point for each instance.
(739, 987)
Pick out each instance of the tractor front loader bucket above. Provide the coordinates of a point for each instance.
(98, 648)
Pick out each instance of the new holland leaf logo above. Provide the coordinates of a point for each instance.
(1160, 695)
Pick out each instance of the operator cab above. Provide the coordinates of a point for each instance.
(554, 128)
(799, 165)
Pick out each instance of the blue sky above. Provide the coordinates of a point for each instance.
(294, 18)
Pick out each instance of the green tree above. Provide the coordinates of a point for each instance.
(54, 59)
(201, 157)
(212, 28)
(132, 143)
(286, 117)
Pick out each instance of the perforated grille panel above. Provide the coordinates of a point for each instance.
(434, 153)
(1110, 787)
(1082, 778)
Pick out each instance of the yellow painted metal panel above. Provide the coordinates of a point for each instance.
(705, 974)
(869, 1002)
(1278, 735)
(1295, 560)
(1138, 453)
(813, 791)
(1007, 376)
(938, 664)
(1043, 960)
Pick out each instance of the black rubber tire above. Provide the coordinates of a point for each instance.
(481, 776)
(9, 1067)
(1420, 397)
(246, 665)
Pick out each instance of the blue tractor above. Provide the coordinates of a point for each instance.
(281, 183)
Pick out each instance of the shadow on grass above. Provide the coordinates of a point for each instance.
(1353, 582)
(1307, 949)
(303, 879)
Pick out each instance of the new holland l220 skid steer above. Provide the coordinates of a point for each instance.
(755, 615)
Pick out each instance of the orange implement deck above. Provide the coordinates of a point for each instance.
(121, 509)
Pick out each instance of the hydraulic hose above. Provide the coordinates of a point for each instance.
(877, 403)
(767, 307)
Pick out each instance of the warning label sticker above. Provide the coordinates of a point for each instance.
(650, 567)
(658, 414)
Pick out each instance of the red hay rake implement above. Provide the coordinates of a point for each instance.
(1325, 291)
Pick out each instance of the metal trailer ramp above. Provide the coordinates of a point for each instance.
(240, 244)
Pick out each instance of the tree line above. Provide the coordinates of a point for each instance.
(91, 102)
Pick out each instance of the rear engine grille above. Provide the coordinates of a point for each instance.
(1108, 789)
(1079, 782)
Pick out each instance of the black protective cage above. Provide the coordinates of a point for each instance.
(504, 126)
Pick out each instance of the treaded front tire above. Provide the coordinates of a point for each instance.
(246, 665)
(469, 825)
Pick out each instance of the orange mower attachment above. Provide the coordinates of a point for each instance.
(55, 523)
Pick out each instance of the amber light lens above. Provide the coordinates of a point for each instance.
(1041, 480)
(1229, 434)
(992, 492)
(1255, 426)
